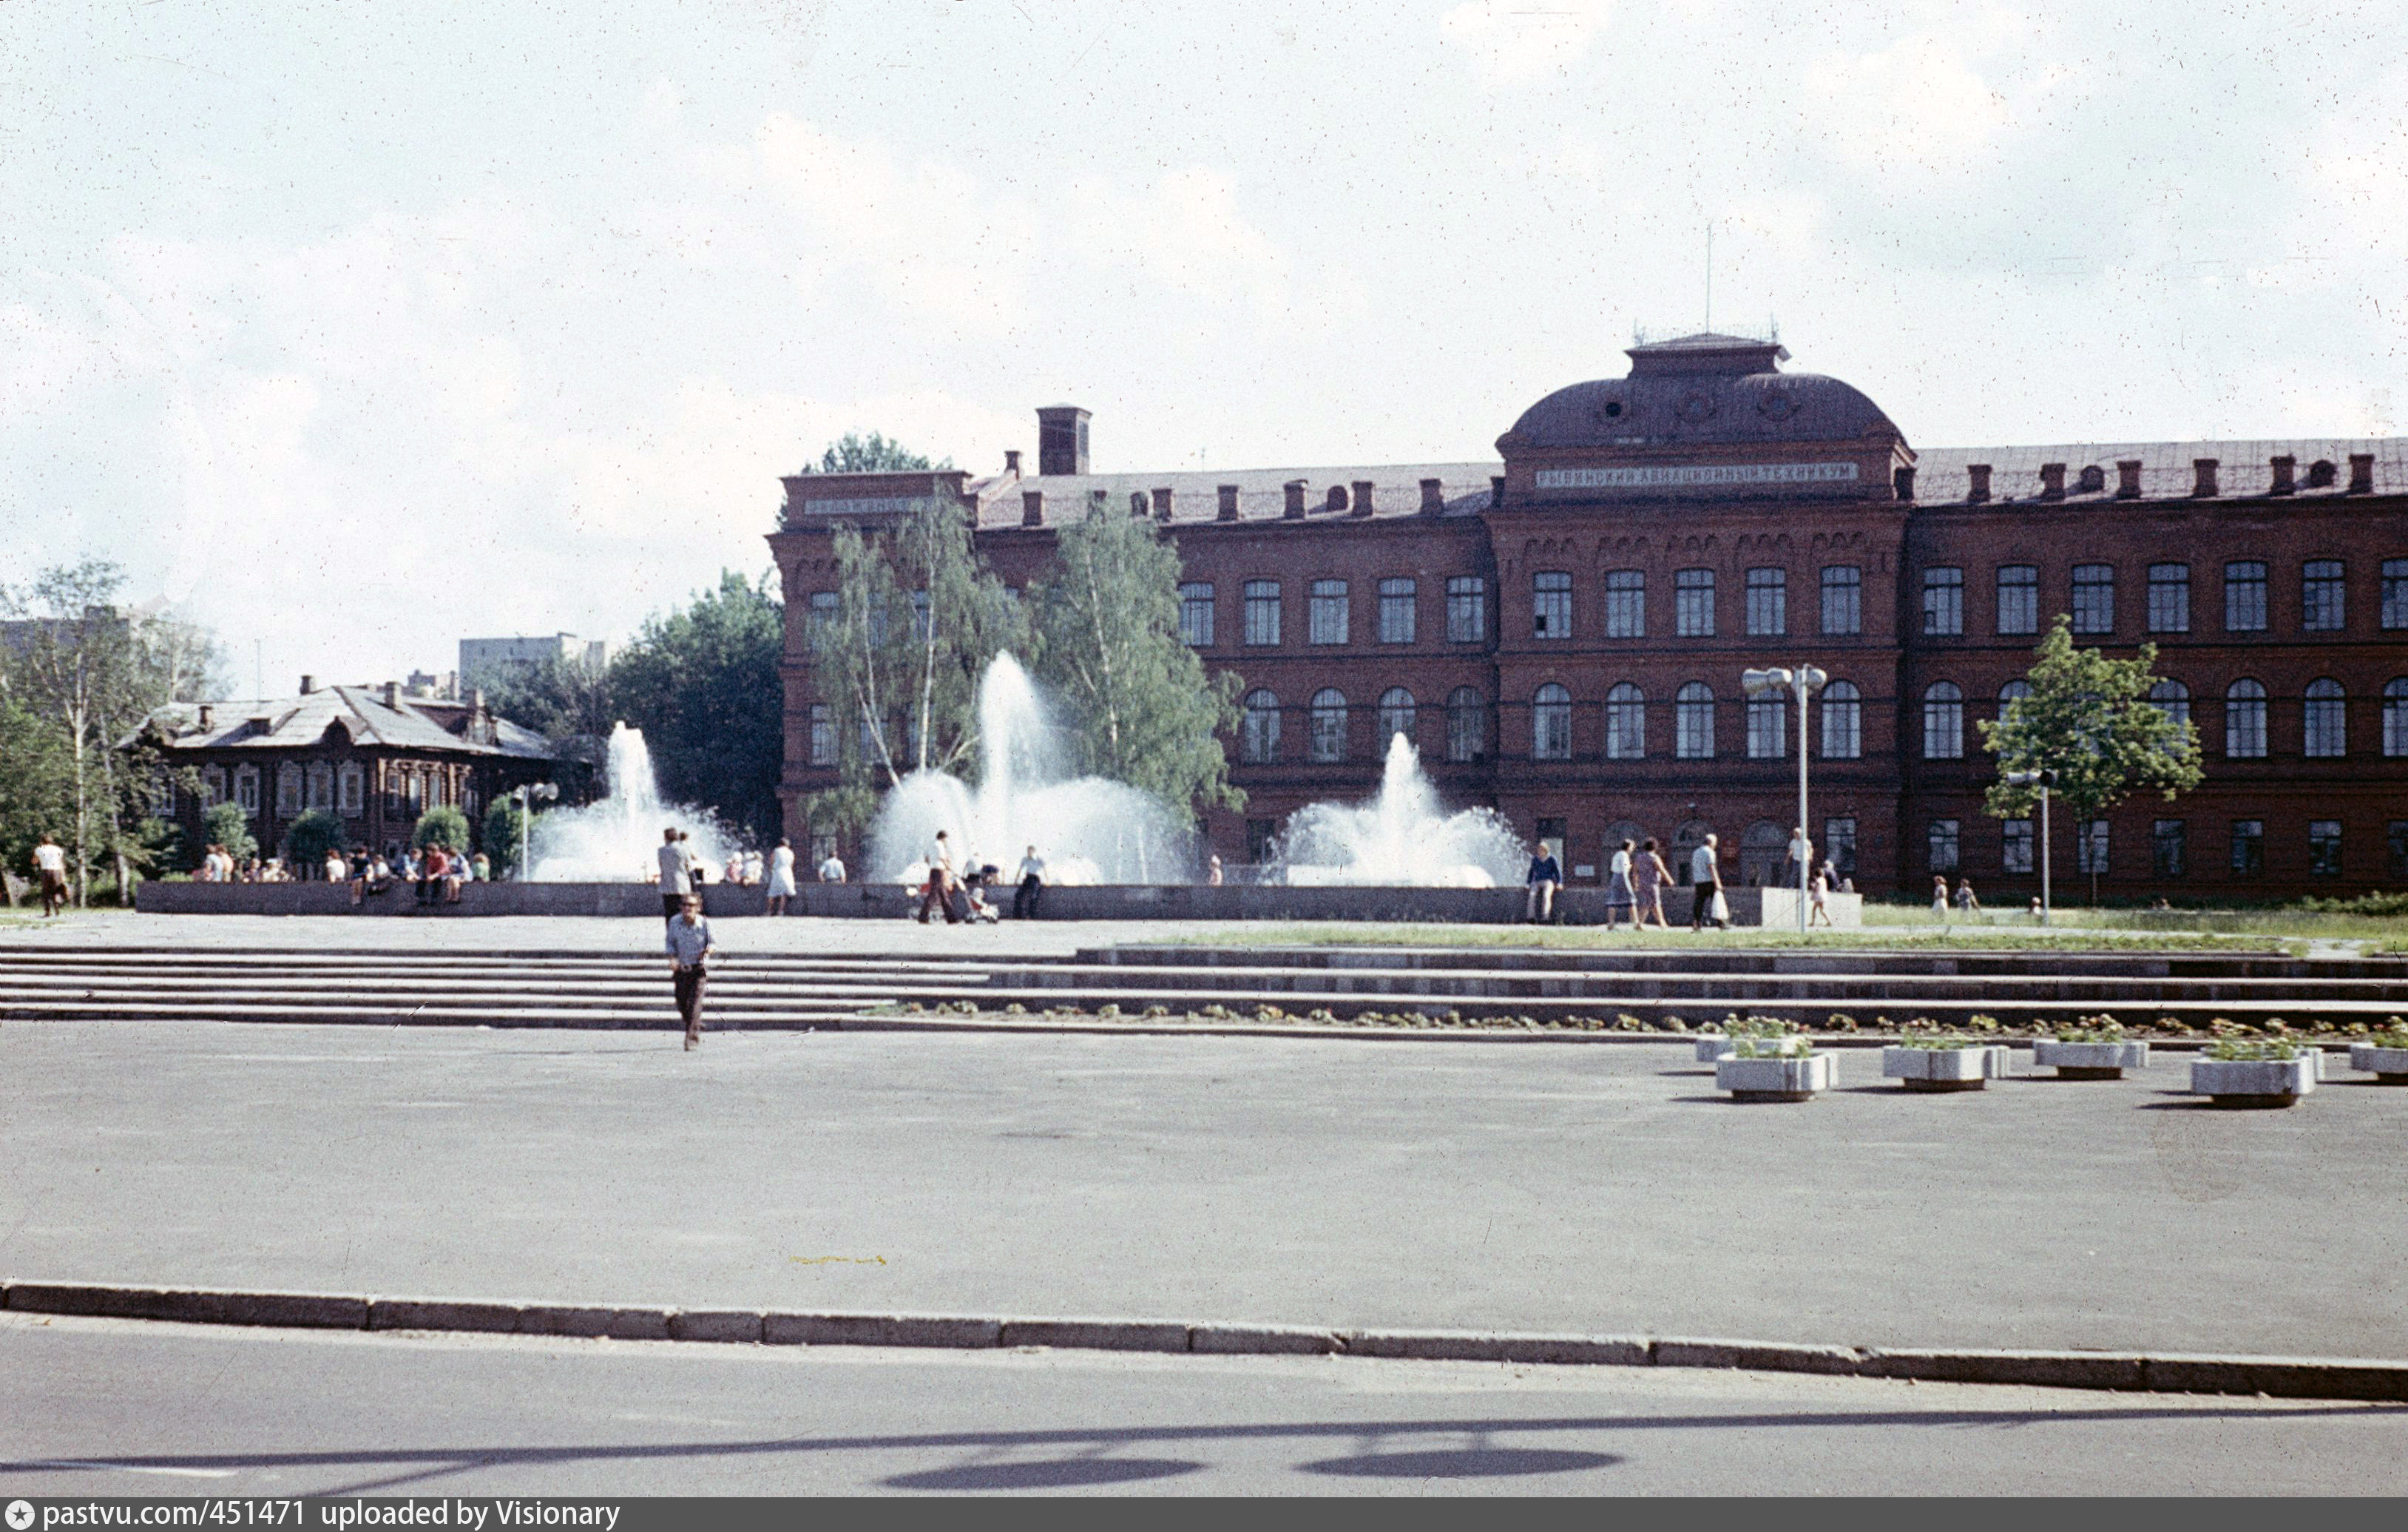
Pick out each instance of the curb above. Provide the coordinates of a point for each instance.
(2280, 1377)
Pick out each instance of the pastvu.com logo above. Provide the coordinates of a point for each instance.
(20, 1515)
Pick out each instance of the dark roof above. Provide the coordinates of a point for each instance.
(1696, 408)
(2245, 468)
(411, 723)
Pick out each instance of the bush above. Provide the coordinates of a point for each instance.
(445, 826)
(226, 825)
(312, 835)
(501, 836)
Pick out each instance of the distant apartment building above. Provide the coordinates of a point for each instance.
(482, 656)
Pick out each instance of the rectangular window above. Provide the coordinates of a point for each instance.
(2244, 597)
(1939, 847)
(2395, 593)
(1262, 841)
(825, 606)
(2324, 848)
(1326, 622)
(1467, 609)
(2015, 852)
(1626, 604)
(2248, 848)
(1551, 835)
(1693, 603)
(822, 735)
(1840, 844)
(1768, 603)
(1842, 722)
(1766, 733)
(2094, 598)
(2170, 848)
(2170, 598)
(2320, 596)
(1262, 597)
(2396, 850)
(2090, 848)
(246, 790)
(919, 614)
(1844, 601)
(1399, 610)
(350, 786)
(1943, 602)
(1551, 604)
(1196, 609)
(2018, 599)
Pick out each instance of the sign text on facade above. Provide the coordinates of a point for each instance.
(1688, 474)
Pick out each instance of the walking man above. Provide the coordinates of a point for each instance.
(50, 865)
(673, 884)
(1545, 877)
(689, 944)
(1032, 885)
(1706, 884)
(939, 894)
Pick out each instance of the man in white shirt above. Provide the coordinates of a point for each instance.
(50, 863)
(673, 875)
(1705, 882)
(1032, 887)
(939, 894)
(832, 870)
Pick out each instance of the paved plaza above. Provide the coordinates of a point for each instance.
(1321, 1183)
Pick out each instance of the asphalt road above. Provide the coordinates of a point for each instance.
(1322, 1183)
(90, 1406)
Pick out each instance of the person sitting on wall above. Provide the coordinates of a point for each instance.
(1545, 877)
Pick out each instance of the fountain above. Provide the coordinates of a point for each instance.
(1087, 829)
(617, 838)
(1401, 837)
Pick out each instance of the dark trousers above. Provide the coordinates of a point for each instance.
(1702, 907)
(671, 904)
(940, 897)
(1024, 898)
(54, 892)
(426, 887)
(690, 983)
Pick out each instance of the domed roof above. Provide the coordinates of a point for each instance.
(1699, 389)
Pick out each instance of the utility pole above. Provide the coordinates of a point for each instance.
(2043, 781)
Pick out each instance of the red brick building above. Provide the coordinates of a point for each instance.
(1562, 633)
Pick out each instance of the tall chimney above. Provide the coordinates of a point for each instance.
(1162, 503)
(2127, 478)
(1977, 482)
(1011, 461)
(1032, 508)
(392, 695)
(2052, 480)
(2361, 473)
(1228, 510)
(1362, 506)
(1294, 499)
(209, 718)
(476, 699)
(2203, 486)
(308, 685)
(1433, 496)
(1061, 439)
(2284, 468)
(1497, 492)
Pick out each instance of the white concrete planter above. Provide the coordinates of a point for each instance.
(1943, 1069)
(2090, 1061)
(2389, 1065)
(1774, 1080)
(1712, 1049)
(2253, 1082)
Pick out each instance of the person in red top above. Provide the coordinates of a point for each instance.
(431, 868)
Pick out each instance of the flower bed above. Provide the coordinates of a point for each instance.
(2263, 1074)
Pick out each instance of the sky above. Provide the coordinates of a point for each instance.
(354, 329)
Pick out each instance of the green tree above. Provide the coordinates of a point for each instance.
(441, 825)
(2089, 719)
(503, 822)
(703, 685)
(37, 779)
(559, 699)
(315, 833)
(918, 616)
(1141, 707)
(853, 453)
(226, 824)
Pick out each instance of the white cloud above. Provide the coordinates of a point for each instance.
(1519, 40)
(1917, 104)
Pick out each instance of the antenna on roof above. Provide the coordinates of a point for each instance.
(1773, 326)
(1709, 325)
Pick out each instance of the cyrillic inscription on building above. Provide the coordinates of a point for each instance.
(893, 506)
(1683, 476)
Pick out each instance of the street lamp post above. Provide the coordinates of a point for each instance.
(2043, 781)
(1800, 683)
(527, 794)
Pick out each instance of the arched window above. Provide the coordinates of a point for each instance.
(1763, 846)
(1693, 722)
(2326, 720)
(1843, 721)
(1767, 727)
(1467, 724)
(2244, 721)
(1551, 724)
(1328, 739)
(2395, 716)
(2173, 699)
(2013, 692)
(1943, 722)
(1395, 717)
(1258, 739)
(1686, 839)
(1625, 722)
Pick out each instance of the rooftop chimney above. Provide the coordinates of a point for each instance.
(2127, 478)
(476, 699)
(1433, 496)
(1229, 503)
(1061, 439)
(209, 718)
(1497, 492)
(1294, 499)
(2284, 481)
(392, 695)
(2052, 480)
(1902, 482)
(308, 685)
(1032, 508)
(2361, 473)
(2203, 487)
(1011, 461)
(1162, 503)
(1977, 482)
(1362, 497)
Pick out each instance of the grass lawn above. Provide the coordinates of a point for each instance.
(1954, 938)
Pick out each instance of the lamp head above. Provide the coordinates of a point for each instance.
(1764, 683)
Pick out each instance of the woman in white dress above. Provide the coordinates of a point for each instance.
(782, 877)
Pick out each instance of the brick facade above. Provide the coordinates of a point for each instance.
(1708, 513)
